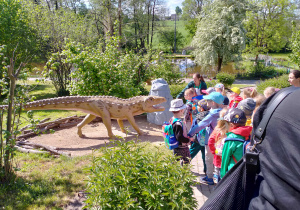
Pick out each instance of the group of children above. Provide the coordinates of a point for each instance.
(216, 125)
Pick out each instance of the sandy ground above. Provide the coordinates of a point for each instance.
(68, 141)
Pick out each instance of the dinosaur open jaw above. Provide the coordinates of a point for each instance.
(158, 107)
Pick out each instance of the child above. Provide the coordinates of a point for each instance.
(249, 92)
(259, 99)
(215, 140)
(235, 97)
(247, 105)
(233, 150)
(190, 114)
(199, 143)
(215, 101)
(270, 91)
(221, 89)
(180, 131)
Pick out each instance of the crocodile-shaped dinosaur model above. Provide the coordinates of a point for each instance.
(106, 107)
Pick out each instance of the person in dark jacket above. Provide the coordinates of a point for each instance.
(279, 156)
(198, 83)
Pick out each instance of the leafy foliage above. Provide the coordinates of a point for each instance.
(15, 29)
(167, 39)
(130, 177)
(277, 82)
(260, 71)
(166, 70)
(111, 72)
(220, 36)
(295, 46)
(54, 26)
(176, 89)
(225, 78)
(268, 25)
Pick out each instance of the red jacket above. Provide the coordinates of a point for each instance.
(211, 143)
(235, 102)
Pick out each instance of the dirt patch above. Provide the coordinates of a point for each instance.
(68, 141)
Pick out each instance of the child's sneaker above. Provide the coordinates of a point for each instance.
(216, 178)
(207, 180)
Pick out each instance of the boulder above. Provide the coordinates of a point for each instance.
(160, 88)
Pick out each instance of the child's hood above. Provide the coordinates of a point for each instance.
(244, 131)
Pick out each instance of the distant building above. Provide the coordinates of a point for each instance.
(173, 17)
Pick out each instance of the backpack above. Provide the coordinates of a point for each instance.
(194, 104)
(168, 133)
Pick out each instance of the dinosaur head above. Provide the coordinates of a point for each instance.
(152, 104)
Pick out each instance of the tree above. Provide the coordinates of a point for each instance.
(268, 25)
(220, 36)
(295, 45)
(178, 11)
(17, 42)
(167, 39)
(15, 29)
(190, 11)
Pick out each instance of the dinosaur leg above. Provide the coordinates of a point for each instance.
(84, 122)
(134, 125)
(121, 125)
(107, 122)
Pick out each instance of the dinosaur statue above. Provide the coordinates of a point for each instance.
(106, 107)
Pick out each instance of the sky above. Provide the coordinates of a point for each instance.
(172, 4)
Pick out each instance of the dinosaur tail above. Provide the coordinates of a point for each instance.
(60, 103)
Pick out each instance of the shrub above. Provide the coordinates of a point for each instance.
(278, 82)
(211, 83)
(225, 78)
(167, 70)
(176, 89)
(131, 177)
(260, 71)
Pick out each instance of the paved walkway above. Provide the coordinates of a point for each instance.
(201, 191)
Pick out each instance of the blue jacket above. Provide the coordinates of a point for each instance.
(210, 121)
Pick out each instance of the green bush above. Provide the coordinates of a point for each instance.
(260, 71)
(130, 176)
(167, 70)
(176, 89)
(278, 82)
(225, 78)
(211, 83)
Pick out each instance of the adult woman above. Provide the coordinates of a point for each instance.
(294, 78)
(197, 83)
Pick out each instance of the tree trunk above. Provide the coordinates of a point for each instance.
(220, 59)
(154, 1)
(8, 152)
(120, 20)
(135, 27)
(148, 24)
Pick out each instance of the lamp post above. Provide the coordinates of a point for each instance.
(175, 36)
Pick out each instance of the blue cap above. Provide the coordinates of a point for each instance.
(216, 97)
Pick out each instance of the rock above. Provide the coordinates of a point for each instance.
(160, 88)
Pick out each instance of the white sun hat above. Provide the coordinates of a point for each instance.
(176, 105)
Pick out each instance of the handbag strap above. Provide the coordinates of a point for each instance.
(260, 130)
